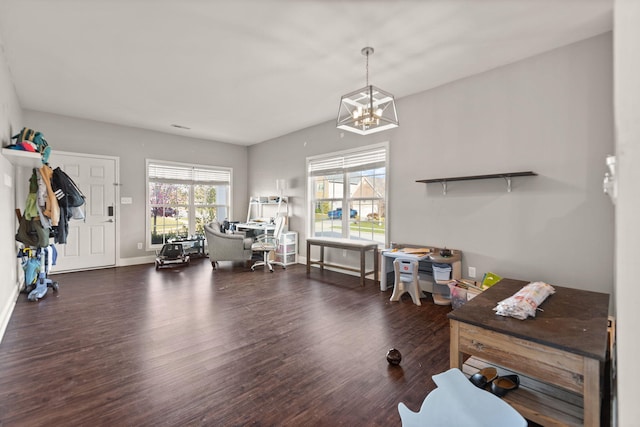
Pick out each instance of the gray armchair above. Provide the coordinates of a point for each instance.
(226, 247)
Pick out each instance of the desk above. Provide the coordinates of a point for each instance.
(354, 245)
(260, 226)
(426, 261)
(253, 229)
(560, 351)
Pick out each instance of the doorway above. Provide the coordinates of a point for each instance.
(91, 243)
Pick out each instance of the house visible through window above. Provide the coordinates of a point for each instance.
(181, 198)
(347, 194)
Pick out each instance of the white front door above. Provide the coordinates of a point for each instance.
(90, 243)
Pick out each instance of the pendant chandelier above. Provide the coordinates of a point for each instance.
(367, 110)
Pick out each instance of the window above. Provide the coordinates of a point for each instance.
(347, 194)
(181, 198)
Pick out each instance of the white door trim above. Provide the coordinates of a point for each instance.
(116, 193)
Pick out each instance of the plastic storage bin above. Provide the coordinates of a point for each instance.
(442, 293)
(441, 272)
(458, 296)
(286, 259)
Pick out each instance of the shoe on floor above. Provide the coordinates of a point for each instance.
(484, 376)
(501, 385)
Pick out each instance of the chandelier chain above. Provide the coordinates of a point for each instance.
(367, 69)
(366, 51)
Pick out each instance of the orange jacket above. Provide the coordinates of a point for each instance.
(51, 207)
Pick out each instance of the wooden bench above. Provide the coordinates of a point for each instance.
(353, 245)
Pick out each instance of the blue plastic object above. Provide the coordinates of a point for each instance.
(36, 265)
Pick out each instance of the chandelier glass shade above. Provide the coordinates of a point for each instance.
(367, 110)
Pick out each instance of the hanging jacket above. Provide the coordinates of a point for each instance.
(31, 208)
(51, 208)
(61, 231)
(42, 190)
(41, 199)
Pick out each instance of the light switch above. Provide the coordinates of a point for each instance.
(126, 200)
(8, 181)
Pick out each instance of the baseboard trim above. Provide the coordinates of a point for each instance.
(149, 259)
(7, 311)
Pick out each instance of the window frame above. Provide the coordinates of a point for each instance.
(191, 206)
(333, 158)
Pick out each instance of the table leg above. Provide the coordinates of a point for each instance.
(591, 392)
(321, 258)
(376, 265)
(455, 357)
(308, 257)
(383, 273)
(362, 264)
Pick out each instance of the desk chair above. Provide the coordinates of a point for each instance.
(406, 272)
(266, 243)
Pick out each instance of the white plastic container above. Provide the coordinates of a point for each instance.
(441, 274)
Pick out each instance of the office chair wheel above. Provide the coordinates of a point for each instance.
(55, 286)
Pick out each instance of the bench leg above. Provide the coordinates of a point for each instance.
(376, 260)
(362, 269)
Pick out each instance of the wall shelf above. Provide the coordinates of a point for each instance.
(22, 158)
(506, 176)
(278, 204)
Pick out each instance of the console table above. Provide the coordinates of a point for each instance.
(559, 353)
(362, 246)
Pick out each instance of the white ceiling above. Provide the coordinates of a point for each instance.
(243, 71)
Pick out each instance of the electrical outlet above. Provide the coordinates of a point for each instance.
(472, 272)
(344, 252)
(140, 245)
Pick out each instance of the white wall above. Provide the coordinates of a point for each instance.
(133, 146)
(552, 114)
(10, 124)
(627, 104)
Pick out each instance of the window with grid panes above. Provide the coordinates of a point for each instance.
(347, 194)
(181, 198)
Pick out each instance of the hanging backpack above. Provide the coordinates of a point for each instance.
(32, 234)
(67, 192)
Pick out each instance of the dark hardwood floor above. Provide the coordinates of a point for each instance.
(229, 347)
